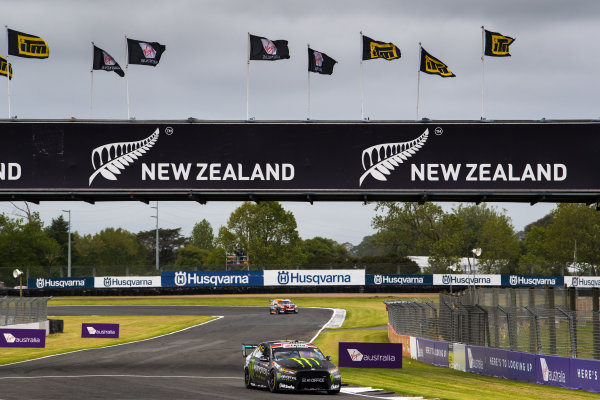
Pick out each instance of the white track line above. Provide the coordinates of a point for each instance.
(216, 318)
(335, 315)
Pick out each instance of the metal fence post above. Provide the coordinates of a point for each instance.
(535, 341)
(552, 324)
(572, 331)
(596, 322)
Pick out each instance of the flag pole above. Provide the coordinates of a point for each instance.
(92, 82)
(127, 74)
(248, 80)
(362, 80)
(418, 81)
(482, 70)
(308, 117)
(8, 74)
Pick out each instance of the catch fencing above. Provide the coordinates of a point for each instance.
(552, 321)
(23, 310)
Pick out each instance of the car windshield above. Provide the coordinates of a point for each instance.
(305, 352)
(286, 303)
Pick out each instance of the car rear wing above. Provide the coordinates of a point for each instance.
(247, 349)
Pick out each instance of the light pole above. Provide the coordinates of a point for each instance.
(157, 263)
(69, 251)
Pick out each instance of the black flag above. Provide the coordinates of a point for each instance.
(433, 66)
(496, 44)
(5, 68)
(25, 45)
(144, 53)
(268, 50)
(320, 62)
(104, 61)
(374, 49)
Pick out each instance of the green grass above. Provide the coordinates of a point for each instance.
(130, 329)
(362, 311)
(420, 379)
(368, 310)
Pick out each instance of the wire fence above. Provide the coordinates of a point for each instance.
(553, 321)
(25, 310)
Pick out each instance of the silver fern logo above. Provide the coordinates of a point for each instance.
(379, 160)
(114, 157)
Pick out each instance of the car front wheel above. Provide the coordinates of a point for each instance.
(272, 382)
(247, 379)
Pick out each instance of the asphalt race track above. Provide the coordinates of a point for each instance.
(204, 362)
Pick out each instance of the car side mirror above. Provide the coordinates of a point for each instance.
(328, 358)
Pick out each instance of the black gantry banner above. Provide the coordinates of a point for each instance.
(299, 157)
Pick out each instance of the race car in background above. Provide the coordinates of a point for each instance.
(289, 365)
(282, 306)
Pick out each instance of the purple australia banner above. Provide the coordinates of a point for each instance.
(370, 355)
(501, 363)
(23, 338)
(585, 374)
(99, 330)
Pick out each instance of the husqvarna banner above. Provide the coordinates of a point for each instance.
(315, 277)
(398, 279)
(466, 280)
(582, 281)
(212, 278)
(49, 159)
(127, 281)
(525, 280)
(60, 283)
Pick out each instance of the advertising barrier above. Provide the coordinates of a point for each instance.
(370, 355)
(211, 278)
(404, 340)
(396, 279)
(23, 338)
(127, 281)
(460, 357)
(585, 374)
(552, 370)
(60, 283)
(315, 277)
(100, 331)
(433, 352)
(501, 363)
(528, 280)
(582, 281)
(466, 280)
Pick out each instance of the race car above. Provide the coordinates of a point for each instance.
(289, 365)
(282, 306)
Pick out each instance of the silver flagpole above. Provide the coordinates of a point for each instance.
(127, 74)
(482, 58)
(248, 81)
(362, 80)
(419, 81)
(308, 46)
(8, 75)
(92, 82)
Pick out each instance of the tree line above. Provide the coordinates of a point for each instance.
(268, 235)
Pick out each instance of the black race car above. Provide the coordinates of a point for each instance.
(289, 365)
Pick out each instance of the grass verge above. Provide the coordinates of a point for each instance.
(131, 329)
(362, 310)
(420, 379)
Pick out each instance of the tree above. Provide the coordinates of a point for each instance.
(407, 228)
(202, 235)
(446, 251)
(110, 247)
(59, 231)
(320, 251)
(169, 241)
(500, 246)
(191, 256)
(265, 232)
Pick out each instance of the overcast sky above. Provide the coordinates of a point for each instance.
(552, 74)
